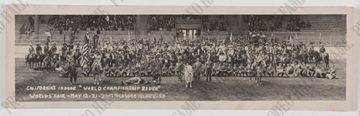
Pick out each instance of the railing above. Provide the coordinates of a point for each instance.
(331, 39)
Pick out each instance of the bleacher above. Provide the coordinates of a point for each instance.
(330, 39)
(325, 23)
(329, 28)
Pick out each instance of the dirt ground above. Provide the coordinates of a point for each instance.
(221, 88)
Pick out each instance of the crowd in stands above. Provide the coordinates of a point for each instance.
(28, 26)
(167, 22)
(160, 22)
(93, 22)
(276, 23)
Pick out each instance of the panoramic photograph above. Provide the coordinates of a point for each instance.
(180, 57)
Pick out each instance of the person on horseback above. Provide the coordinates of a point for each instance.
(322, 49)
(53, 49)
(30, 56)
(38, 51)
(31, 49)
(46, 49)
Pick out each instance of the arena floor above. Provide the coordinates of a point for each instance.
(221, 88)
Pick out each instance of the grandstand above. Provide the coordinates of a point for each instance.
(330, 28)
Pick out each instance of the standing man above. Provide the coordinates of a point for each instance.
(208, 70)
(86, 38)
(72, 72)
(197, 69)
(95, 40)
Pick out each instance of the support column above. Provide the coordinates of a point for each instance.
(141, 26)
(36, 26)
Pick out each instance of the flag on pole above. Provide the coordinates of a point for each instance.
(231, 37)
(85, 50)
(291, 41)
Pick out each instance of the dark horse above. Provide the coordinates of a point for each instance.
(30, 60)
(315, 57)
(39, 61)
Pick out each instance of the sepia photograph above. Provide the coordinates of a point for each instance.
(179, 57)
(138, 56)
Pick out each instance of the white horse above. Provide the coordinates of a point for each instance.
(188, 75)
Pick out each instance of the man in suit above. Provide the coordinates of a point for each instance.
(72, 73)
(197, 69)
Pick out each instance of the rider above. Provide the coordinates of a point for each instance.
(322, 49)
(31, 49)
(53, 49)
(46, 48)
(38, 49)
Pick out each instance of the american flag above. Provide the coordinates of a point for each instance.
(85, 50)
(84, 63)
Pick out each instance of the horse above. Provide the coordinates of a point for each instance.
(188, 75)
(29, 60)
(48, 59)
(315, 57)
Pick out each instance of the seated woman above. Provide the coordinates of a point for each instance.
(280, 71)
(331, 72)
(118, 70)
(216, 69)
(236, 71)
(112, 71)
(241, 70)
(289, 70)
(223, 70)
(143, 70)
(311, 70)
(164, 70)
(270, 70)
(319, 72)
(248, 70)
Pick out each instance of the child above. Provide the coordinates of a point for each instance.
(270, 70)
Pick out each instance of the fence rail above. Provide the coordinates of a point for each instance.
(330, 39)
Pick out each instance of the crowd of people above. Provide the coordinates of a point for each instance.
(159, 22)
(93, 22)
(28, 26)
(274, 23)
(259, 57)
